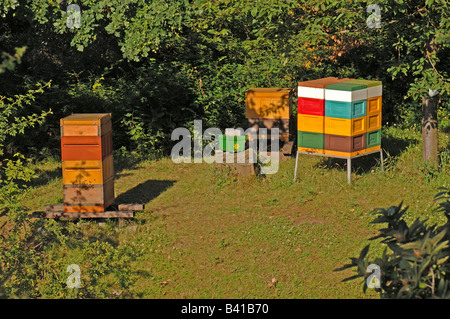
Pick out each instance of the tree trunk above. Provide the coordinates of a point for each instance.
(430, 130)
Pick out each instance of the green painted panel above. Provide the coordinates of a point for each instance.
(232, 143)
(346, 86)
(311, 140)
(368, 83)
(373, 138)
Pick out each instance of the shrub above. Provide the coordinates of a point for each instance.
(417, 263)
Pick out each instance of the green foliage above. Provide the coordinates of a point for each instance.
(417, 264)
(14, 171)
(11, 123)
(33, 264)
(144, 143)
(10, 61)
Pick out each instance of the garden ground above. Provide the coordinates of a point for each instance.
(207, 234)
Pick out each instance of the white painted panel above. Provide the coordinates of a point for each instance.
(313, 93)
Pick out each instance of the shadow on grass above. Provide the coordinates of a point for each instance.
(144, 192)
(392, 147)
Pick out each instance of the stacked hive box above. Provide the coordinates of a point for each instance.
(339, 117)
(373, 116)
(87, 162)
(269, 108)
(311, 114)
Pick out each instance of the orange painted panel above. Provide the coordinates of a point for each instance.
(374, 148)
(345, 154)
(310, 150)
(86, 147)
(310, 123)
(374, 105)
(85, 208)
(348, 127)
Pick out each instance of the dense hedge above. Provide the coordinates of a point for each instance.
(161, 64)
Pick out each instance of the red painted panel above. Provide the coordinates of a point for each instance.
(311, 106)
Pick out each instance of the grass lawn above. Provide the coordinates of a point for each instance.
(206, 234)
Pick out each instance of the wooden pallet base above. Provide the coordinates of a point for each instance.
(120, 211)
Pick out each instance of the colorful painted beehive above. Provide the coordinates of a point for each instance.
(269, 108)
(340, 117)
(310, 115)
(87, 162)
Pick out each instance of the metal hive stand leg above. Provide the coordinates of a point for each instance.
(382, 160)
(295, 170)
(349, 170)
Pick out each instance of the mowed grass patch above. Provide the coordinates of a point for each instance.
(205, 233)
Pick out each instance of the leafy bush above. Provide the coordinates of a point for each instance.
(417, 264)
(34, 257)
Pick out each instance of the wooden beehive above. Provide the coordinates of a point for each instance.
(87, 162)
(270, 108)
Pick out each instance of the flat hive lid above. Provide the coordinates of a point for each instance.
(346, 86)
(269, 90)
(86, 119)
(321, 83)
(368, 83)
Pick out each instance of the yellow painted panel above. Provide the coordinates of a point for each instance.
(346, 127)
(311, 123)
(359, 125)
(87, 172)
